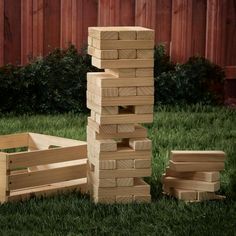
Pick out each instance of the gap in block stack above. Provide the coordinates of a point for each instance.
(120, 99)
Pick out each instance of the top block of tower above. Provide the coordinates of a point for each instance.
(121, 47)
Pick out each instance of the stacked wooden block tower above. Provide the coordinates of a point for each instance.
(119, 152)
(194, 175)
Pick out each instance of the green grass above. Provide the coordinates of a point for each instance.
(192, 128)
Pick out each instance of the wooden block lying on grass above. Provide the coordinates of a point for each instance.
(196, 166)
(182, 194)
(197, 156)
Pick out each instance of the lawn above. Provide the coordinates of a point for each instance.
(173, 128)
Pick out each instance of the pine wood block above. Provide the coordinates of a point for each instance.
(106, 145)
(142, 199)
(124, 199)
(125, 128)
(182, 194)
(122, 182)
(202, 195)
(90, 40)
(148, 109)
(127, 54)
(103, 183)
(123, 118)
(103, 110)
(127, 35)
(93, 115)
(129, 91)
(197, 156)
(145, 91)
(196, 166)
(107, 165)
(142, 164)
(125, 164)
(122, 63)
(122, 44)
(124, 173)
(103, 54)
(186, 184)
(104, 129)
(105, 200)
(3, 178)
(103, 33)
(141, 144)
(109, 92)
(144, 72)
(122, 73)
(202, 176)
(105, 80)
(145, 53)
(145, 34)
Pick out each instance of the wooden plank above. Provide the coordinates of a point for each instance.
(2, 32)
(122, 73)
(123, 44)
(143, 109)
(127, 54)
(103, 54)
(102, 129)
(140, 164)
(125, 128)
(106, 145)
(3, 177)
(105, 80)
(202, 176)
(124, 118)
(31, 179)
(145, 91)
(144, 72)
(49, 190)
(127, 35)
(42, 157)
(107, 165)
(122, 63)
(52, 19)
(103, 33)
(172, 182)
(196, 166)
(14, 140)
(127, 91)
(197, 156)
(141, 144)
(124, 173)
(182, 194)
(145, 54)
(12, 29)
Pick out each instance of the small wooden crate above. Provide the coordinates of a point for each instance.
(47, 165)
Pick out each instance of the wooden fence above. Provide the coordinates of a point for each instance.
(30, 28)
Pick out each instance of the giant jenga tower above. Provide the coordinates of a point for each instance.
(119, 152)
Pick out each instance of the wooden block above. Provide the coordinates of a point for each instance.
(202, 176)
(127, 54)
(124, 199)
(142, 199)
(90, 41)
(123, 118)
(106, 80)
(124, 164)
(145, 91)
(107, 165)
(103, 54)
(182, 194)
(202, 196)
(145, 53)
(191, 184)
(105, 200)
(124, 173)
(122, 63)
(103, 110)
(127, 35)
(103, 183)
(142, 164)
(14, 140)
(197, 156)
(106, 145)
(109, 92)
(125, 128)
(148, 109)
(128, 91)
(122, 73)
(144, 72)
(146, 34)
(93, 115)
(103, 33)
(3, 177)
(141, 144)
(121, 182)
(122, 44)
(196, 166)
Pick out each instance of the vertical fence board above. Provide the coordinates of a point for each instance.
(216, 31)
(1, 32)
(26, 30)
(231, 33)
(12, 33)
(51, 25)
(127, 13)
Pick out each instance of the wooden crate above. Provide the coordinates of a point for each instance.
(47, 165)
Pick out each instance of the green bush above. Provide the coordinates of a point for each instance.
(196, 81)
(57, 82)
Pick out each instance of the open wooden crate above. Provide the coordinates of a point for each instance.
(40, 165)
